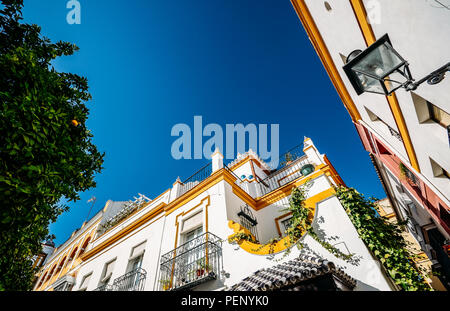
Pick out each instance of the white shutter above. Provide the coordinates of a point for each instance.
(192, 222)
(85, 282)
(137, 251)
(108, 271)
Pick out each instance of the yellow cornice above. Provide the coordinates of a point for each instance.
(284, 243)
(132, 226)
(369, 37)
(319, 44)
(216, 177)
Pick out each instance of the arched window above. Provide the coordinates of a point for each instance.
(51, 272)
(72, 255)
(42, 279)
(85, 244)
(60, 265)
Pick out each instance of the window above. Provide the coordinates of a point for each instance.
(60, 265)
(191, 235)
(248, 221)
(445, 215)
(427, 112)
(83, 248)
(107, 272)
(137, 254)
(191, 241)
(373, 117)
(51, 272)
(192, 222)
(409, 175)
(438, 115)
(85, 282)
(72, 255)
(286, 223)
(438, 171)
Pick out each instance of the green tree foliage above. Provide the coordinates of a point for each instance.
(46, 152)
(383, 238)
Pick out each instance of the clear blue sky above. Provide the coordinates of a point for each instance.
(152, 64)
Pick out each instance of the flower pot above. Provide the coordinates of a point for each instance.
(200, 272)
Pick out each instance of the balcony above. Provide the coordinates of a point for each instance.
(196, 178)
(104, 288)
(131, 281)
(292, 169)
(191, 264)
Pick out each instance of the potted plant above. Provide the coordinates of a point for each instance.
(165, 284)
(287, 159)
(202, 267)
(406, 175)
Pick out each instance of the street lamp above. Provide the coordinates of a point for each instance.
(380, 69)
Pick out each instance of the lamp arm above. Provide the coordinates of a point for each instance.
(433, 78)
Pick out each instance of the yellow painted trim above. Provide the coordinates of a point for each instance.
(135, 224)
(216, 177)
(312, 146)
(190, 210)
(319, 44)
(369, 37)
(284, 243)
(286, 189)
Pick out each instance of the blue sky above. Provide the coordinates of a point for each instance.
(153, 64)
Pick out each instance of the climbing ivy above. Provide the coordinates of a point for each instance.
(383, 238)
(301, 223)
(235, 238)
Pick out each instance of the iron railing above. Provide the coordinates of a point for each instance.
(290, 156)
(104, 288)
(131, 281)
(395, 133)
(289, 172)
(197, 178)
(64, 287)
(195, 262)
(239, 181)
(247, 220)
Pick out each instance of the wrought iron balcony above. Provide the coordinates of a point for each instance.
(292, 169)
(191, 264)
(195, 179)
(131, 281)
(395, 133)
(104, 288)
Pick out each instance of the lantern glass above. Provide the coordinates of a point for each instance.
(379, 62)
(378, 69)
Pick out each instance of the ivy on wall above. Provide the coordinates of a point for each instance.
(383, 238)
(301, 223)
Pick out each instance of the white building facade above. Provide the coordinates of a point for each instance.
(407, 133)
(179, 240)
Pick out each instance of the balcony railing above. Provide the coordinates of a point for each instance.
(395, 133)
(131, 281)
(290, 171)
(195, 179)
(191, 264)
(104, 288)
